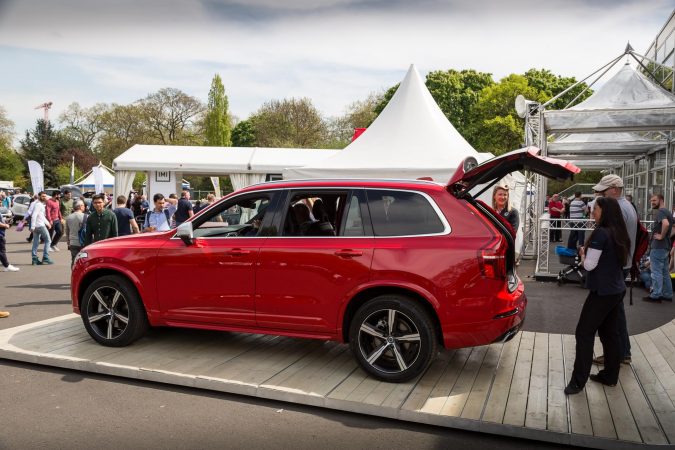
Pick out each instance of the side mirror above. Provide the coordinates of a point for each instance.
(184, 231)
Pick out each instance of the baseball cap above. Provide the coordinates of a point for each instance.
(608, 181)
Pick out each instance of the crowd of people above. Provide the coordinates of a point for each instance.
(50, 218)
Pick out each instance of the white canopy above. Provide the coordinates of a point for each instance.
(626, 102)
(410, 139)
(216, 160)
(87, 181)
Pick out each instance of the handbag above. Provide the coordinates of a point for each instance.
(20, 225)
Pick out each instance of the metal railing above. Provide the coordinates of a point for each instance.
(546, 225)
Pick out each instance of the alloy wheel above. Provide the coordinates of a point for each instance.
(389, 341)
(108, 312)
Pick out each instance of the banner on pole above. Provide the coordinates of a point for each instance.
(216, 185)
(72, 171)
(98, 179)
(37, 178)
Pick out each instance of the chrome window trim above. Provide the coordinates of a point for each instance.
(447, 229)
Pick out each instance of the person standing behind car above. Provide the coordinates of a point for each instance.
(73, 225)
(501, 204)
(184, 208)
(39, 225)
(662, 289)
(126, 223)
(159, 219)
(102, 223)
(603, 257)
(55, 219)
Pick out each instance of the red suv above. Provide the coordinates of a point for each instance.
(395, 268)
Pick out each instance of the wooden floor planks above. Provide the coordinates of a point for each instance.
(519, 383)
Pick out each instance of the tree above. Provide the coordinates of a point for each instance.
(171, 116)
(62, 173)
(243, 134)
(217, 123)
(84, 124)
(6, 129)
(11, 165)
(289, 123)
(457, 92)
(123, 126)
(42, 145)
(551, 85)
(359, 114)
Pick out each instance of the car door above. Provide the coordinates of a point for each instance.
(212, 279)
(304, 277)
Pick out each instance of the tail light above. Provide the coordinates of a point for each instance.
(492, 259)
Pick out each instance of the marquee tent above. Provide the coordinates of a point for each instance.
(88, 181)
(410, 139)
(244, 165)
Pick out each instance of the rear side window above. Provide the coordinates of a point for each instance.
(402, 213)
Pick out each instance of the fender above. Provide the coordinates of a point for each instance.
(428, 296)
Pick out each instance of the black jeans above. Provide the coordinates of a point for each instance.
(555, 235)
(56, 232)
(74, 250)
(600, 313)
(3, 252)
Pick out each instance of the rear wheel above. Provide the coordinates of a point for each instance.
(393, 338)
(112, 312)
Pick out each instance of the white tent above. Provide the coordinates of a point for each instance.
(410, 139)
(88, 181)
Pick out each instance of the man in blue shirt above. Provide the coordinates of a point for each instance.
(126, 223)
(159, 219)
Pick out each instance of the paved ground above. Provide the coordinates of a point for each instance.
(44, 407)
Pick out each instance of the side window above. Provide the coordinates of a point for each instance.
(354, 222)
(239, 217)
(314, 214)
(402, 213)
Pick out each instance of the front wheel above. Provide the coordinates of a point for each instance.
(393, 338)
(112, 312)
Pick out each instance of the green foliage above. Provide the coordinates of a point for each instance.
(384, 101)
(62, 173)
(139, 179)
(550, 85)
(499, 135)
(243, 134)
(289, 123)
(457, 92)
(586, 176)
(11, 165)
(217, 122)
(6, 129)
(42, 144)
(359, 114)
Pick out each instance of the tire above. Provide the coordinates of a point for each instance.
(107, 325)
(395, 354)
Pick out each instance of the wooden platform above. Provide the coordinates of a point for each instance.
(513, 389)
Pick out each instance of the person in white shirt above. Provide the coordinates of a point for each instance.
(39, 225)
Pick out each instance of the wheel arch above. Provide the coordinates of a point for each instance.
(376, 291)
(95, 274)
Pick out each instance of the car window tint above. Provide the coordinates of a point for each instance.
(240, 217)
(314, 214)
(354, 222)
(401, 213)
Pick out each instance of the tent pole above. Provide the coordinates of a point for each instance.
(649, 71)
(610, 64)
(589, 86)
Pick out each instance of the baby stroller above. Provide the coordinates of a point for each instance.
(574, 272)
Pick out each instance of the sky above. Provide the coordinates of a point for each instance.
(333, 52)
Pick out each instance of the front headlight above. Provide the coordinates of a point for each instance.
(81, 255)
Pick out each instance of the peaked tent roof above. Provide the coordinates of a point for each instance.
(626, 102)
(88, 179)
(627, 89)
(411, 138)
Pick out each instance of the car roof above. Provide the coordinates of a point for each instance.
(347, 183)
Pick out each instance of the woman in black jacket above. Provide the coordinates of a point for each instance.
(604, 255)
(501, 204)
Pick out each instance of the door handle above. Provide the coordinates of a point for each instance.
(347, 253)
(237, 252)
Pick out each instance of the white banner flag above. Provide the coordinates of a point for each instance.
(216, 185)
(98, 179)
(37, 178)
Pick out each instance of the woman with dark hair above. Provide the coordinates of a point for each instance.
(603, 256)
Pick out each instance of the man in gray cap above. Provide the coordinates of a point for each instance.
(612, 186)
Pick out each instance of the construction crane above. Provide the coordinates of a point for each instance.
(46, 106)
